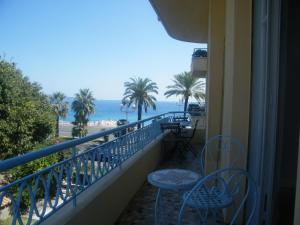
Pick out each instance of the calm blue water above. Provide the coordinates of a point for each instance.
(110, 110)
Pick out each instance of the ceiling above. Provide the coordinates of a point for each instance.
(185, 20)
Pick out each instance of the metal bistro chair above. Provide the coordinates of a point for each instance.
(180, 119)
(228, 188)
(221, 151)
(173, 127)
(184, 139)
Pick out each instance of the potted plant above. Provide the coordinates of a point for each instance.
(199, 63)
(200, 53)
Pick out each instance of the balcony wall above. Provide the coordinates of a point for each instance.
(199, 67)
(104, 201)
(94, 182)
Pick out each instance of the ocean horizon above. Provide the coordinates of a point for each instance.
(111, 110)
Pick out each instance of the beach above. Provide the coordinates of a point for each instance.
(65, 127)
(108, 112)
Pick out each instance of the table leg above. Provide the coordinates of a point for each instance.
(157, 207)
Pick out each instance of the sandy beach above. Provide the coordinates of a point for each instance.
(65, 128)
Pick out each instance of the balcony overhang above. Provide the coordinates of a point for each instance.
(184, 20)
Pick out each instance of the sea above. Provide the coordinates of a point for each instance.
(111, 110)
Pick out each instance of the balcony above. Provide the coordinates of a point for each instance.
(141, 208)
(199, 63)
(91, 180)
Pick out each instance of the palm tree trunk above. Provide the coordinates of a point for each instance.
(186, 100)
(139, 113)
(57, 126)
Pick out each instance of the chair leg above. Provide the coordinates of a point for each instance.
(188, 147)
(217, 216)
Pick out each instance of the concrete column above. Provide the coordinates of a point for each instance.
(237, 78)
(237, 70)
(216, 32)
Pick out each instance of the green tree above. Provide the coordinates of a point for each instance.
(26, 118)
(60, 108)
(83, 106)
(187, 86)
(139, 91)
(26, 123)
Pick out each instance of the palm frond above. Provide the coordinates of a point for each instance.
(185, 86)
(138, 90)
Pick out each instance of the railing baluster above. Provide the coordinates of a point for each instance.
(74, 168)
(61, 183)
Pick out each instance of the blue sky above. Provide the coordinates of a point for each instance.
(96, 44)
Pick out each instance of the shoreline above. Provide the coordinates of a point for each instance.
(103, 123)
(65, 127)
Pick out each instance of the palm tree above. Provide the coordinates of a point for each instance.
(60, 108)
(83, 106)
(187, 86)
(139, 91)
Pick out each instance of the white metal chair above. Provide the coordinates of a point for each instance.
(221, 151)
(227, 188)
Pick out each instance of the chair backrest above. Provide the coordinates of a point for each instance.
(221, 151)
(195, 128)
(188, 134)
(180, 118)
(234, 186)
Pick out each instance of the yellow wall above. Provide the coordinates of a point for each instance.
(229, 69)
(237, 70)
(237, 75)
(215, 67)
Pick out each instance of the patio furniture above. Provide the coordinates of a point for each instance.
(184, 138)
(184, 120)
(174, 127)
(228, 188)
(170, 179)
(181, 119)
(221, 151)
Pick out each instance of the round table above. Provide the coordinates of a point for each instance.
(171, 179)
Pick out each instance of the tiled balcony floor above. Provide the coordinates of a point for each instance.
(140, 210)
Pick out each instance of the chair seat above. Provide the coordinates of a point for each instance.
(208, 199)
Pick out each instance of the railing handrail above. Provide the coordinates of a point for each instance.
(33, 155)
(61, 182)
(43, 152)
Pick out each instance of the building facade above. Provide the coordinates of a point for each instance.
(252, 92)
